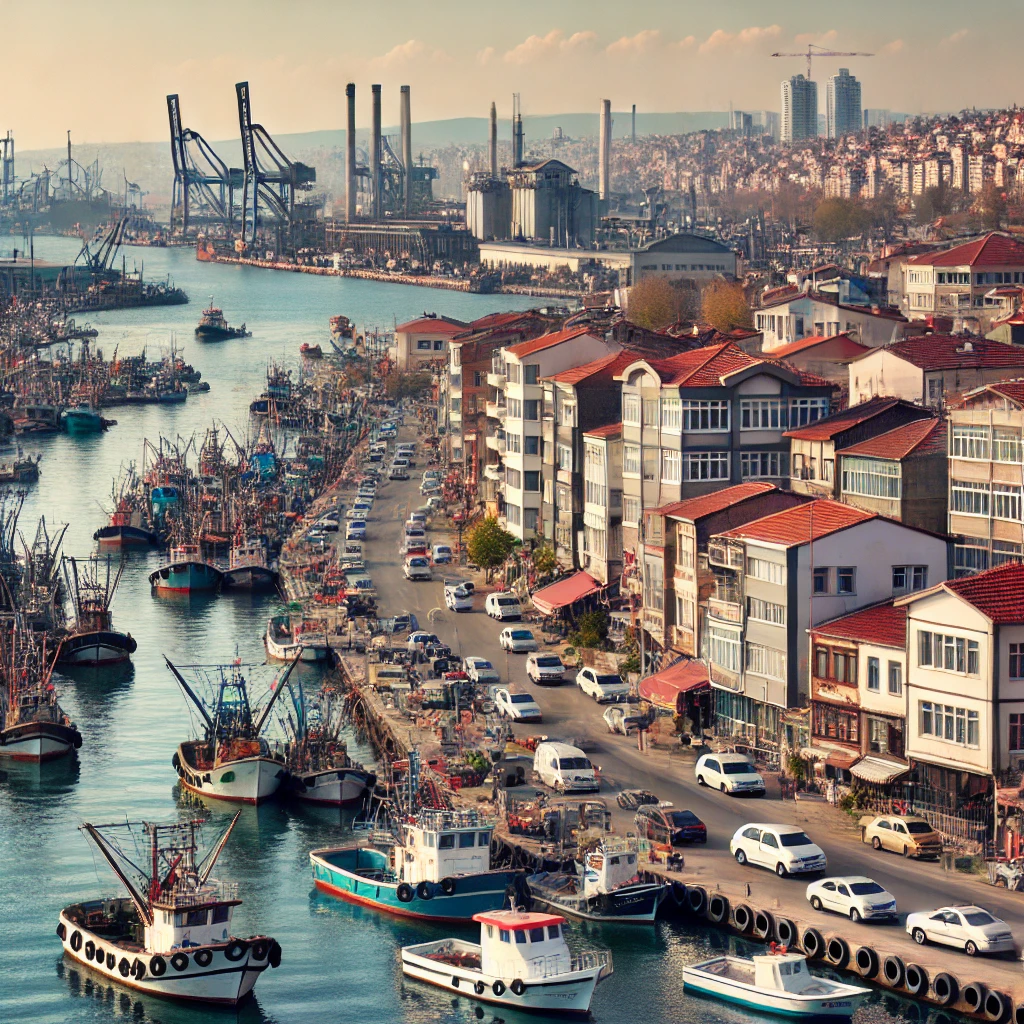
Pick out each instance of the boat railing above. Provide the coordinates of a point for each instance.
(592, 960)
(211, 891)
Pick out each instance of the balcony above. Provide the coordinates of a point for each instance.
(496, 380)
(729, 556)
(495, 411)
(654, 622)
(497, 443)
(682, 639)
(492, 471)
(725, 611)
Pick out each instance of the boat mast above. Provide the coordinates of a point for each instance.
(265, 713)
(141, 903)
(211, 858)
(191, 695)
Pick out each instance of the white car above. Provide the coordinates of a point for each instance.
(480, 670)
(622, 719)
(545, 669)
(516, 640)
(784, 849)
(458, 597)
(972, 929)
(419, 639)
(855, 897)
(730, 773)
(417, 568)
(604, 687)
(520, 707)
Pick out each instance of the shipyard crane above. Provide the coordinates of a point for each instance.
(102, 259)
(813, 50)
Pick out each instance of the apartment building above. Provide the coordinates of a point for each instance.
(799, 117)
(778, 576)
(828, 357)
(423, 343)
(986, 460)
(793, 315)
(602, 503)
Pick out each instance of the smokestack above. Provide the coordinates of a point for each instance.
(494, 141)
(634, 122)
(375, 154)
(350, 155)
(604, 151)
(406, 122)
(517, 132)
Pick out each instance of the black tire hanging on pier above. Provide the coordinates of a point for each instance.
(455, 981)
(893, 971)
(180, 961)
(974, 996)
(448, 886)
(867, 961)
(742, 918)
(236, 949)
(479, 987)
(915, 980)
(203, 957)
(425, 891)
(157, 966)
(764, 926)
(518, 987)
(138, 969)
(76, 941)
(997, 1006)
(498, 988)
(698, 900)
(813, 944)
(677, 890)
(718, 909)
(785, 931)
(124, 968)
(946, 989)
(90, 948)
(837, 951)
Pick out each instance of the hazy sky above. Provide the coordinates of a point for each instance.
(103, 67)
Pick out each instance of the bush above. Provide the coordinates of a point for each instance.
(591, 630)
(796, 768)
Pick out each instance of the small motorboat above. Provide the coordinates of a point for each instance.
(522, 961)
(774, 982)
(285, 638)
(185, 572)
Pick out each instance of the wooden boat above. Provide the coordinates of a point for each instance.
(522, 961)
(213, 327)
(286, 637)
(93, 639)
(247, 568)
(172, 936)
(22, 470)
(308, 351)
(186, 572)
(775, 982)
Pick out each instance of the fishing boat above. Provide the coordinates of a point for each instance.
(308, 351)
(36, 418)
(286, 636)
(606, 887)
(247, 567)
(93, 639)
(82, 420)
(434, 866)
(127, 527)
(233, 761)
(774, 982)
(22, 470)
(172, 936)
(213, 327)
(341, 327)
(186, 572)
(522, 961)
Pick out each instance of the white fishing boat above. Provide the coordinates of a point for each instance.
(172, 936)
(522, 961)
(774, 982)
(284, 639)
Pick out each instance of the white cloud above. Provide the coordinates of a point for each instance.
(485, 55)
(539, 48)
(642, 42)
(720, 39)
(956, 37)
(687, 43)
(894, 47)
(818, 38)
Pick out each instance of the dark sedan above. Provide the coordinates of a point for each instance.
(664, 825)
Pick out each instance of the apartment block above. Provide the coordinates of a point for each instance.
(602, 503)
(422, 343)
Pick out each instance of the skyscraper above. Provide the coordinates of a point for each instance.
(799, 110)
(842, 104)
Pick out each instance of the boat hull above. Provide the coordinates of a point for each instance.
(473, 894)
(249, 577)
(102, 647)
(287, 651)
(185, 577)
(222, 981)
(39, 741)
(125, 537)
(333, 787)
(80, 425)
(634, 904)
(250, 780)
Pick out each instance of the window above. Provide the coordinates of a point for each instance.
(707, 466)
(705, 415)
(532, 480)
(531, 373)
(671, 466)
(513, 477)
(1006, 502)
(1006, 551)
(564, 457)
(764, 414)
(766, 611)
(834, 723)
(554, 931)
(503, 935)
(895, 678)
(530, 517)
(631, 459)
(761, 465)
(1016, 731)
(948, 653)
(806, 410)
(220, 914)
(650, 412)
(874, 478)
(515, 409)
(821, 578)
(1006, 445)
(567, 417)
(846, 580)
(671, 414)
(513, 515)
(969, 498)
(766, 661)
(969, 442)
(724, 648)
(531, 409)
(631, 409)
(423, 345)
(650, 463)
(684, 613)
(906, 578)
(948, 723)
(1017, 661)
(969, 558)
(467, 840)
(531, 445)
(770, 572)
(873, 680)
(595, 493)
(630, 509)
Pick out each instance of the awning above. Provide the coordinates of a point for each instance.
(842, 758)
(565, 592)
(664, 688)
(878, 770)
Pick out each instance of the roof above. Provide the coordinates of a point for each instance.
(664, 688)
(781, 296)
(922, 436)
(540, 165)
(845, 345)
(528, 348)
(993, 250)
(609, 430)
(829, 426)
(565, 592)
(432, 325)
(600, 370)
(684, 242)
(881, 624)
(801, 524)
(954, 351)
(517, 920)
(997, 593)
(708, 504)
(1011, 390)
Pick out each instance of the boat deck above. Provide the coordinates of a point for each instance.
(743, 972)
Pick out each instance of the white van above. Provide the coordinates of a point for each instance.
(503, 606)
(565, 768)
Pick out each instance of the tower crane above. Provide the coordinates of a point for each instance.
(813, 50)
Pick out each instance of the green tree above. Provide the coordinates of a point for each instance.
(725, 306)
(544, 560)
(591, 630)
(836, 219)
(489, 545)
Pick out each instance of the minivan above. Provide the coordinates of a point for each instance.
(565, 768)
(503, 606)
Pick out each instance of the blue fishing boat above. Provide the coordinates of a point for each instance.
(186, 572)
(435, 866)
(81, 420)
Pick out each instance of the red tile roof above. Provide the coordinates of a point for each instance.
(827, 428)
(600, 369)
(432, 325)
(880, 624)
(997, 593)
(492, 320)
(955, 351)
(1013, 390)
(707, 504)
(843, 343)
(926, 434)
(770, 301)
(802, 523)
(994, 250)
(610, 430)
(528, 348)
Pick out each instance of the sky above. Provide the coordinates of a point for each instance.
(104, 67)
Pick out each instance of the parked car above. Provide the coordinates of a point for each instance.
(419, 639)
(622, 719)
(442, 554)
(664, 825)
(519, 641)
(731, 773)
(520, 707)
(854, 896)
(970, 928)
(480, 670)
(565, 768)
(784, 849)
(356, 530)
(457, 596)
(545, 669)
(503, 606)
(419, 516)
(911, 836)
(417, 568)
(604, 687)
(398, 473)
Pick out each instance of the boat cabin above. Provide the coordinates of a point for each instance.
(250, 552)
(443, 844)
(609, 866)
(185, 553)
(514, 944)
(785, 971)
(194, 918)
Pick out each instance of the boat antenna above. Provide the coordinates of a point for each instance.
(141, 903)
(190, 694)
(207, 863)
(265, 713)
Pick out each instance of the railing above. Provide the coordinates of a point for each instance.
(727, 555)
(727, 611)
(726, 678)
(496, 380)
(591, 961)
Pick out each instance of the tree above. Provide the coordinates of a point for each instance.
(837, 219)
(403, 385)
(655, 302)
(591, 630)
(544, 560)
(991, 207)
(489, 545)
(724, 306)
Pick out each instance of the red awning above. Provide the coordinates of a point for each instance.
(565, 592)
(844, 759)
(664, 688)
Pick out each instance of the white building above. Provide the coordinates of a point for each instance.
(602, 503)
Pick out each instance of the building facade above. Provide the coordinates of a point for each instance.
(602, 503)
(422, 344)
(842, 106)
(799, 117)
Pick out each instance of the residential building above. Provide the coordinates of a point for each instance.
(602, 503)
(779, 576)
(422, 344)
(901, 474)
(799, 117)
(965, 695)
(825, 356)
(791, 315)
(877, 117)
(931, 369)
(842, 105)
(813, 446)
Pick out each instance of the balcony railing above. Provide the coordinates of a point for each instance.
(726, 611)
(494, 410)
(726, 678)
(728, 555)
(496, 380)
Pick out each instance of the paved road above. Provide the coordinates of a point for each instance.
(567, 712)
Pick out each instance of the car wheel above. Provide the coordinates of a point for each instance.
(741, 857)
(700, 780)
(722, 788)
(971, 949)
(780, 870)
(854, 915)
(919, 936)
(816, 903)
(876, 843)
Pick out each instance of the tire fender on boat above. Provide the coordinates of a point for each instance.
(404, 892)
(867, 961)
(813, 944)
(61, 931)
(260, 948)
(111, 960)
(236, 949)
(763, 924)
(425, 891)
(997, 1006)
(90, 948)
(718, 909)
(180, 961)
(893, 971)
(76, 941)
(157, 966)
(274, 956)
(945, 988)
(1018, 1014)
(138, 969)
(203, 958)
(448, 886)
(974, 996)
(519, 987)
(697, 898)
(785, 931)
(479, 987)
(915, 979)
(498, 988)
(742, 918)
(124, 967)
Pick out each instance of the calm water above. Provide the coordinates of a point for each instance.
(339, 961)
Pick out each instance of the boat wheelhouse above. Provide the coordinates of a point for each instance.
(213, 326)
(93, 639)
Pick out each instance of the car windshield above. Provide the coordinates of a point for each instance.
(795, 839)
(521, 634)
(481, 664)
(738, 768)
(684, 818)
(549, 662)
(417, 561)
(918, 828)
(979, 917)
(520, 698)
(609, 681)
(573, 762)
(865, 888)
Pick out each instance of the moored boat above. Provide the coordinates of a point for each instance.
(186, 572)
(93, 639)
(82, 420)
(308, 351)
(213, 326)
(286, 637)
(247, 568)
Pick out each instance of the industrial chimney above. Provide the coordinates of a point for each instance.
(406, 127)
(517, 132)
(375, 175)
(634, 122)
(604, 151)
(350, 155)
(493, 144)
